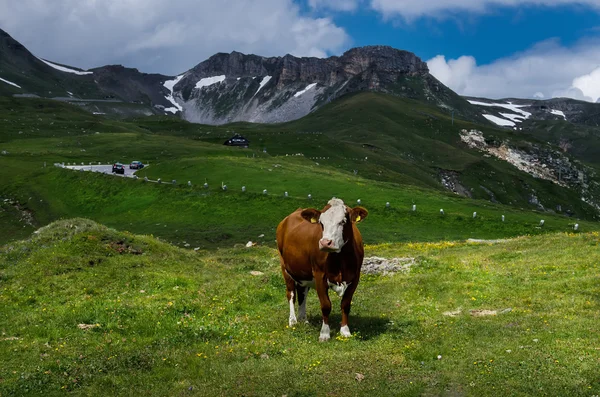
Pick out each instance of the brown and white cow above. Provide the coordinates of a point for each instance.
(321, 249)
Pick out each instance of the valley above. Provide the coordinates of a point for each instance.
(124, 285)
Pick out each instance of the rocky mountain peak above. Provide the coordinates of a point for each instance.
(384, 59)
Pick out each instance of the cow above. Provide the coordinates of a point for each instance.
(321, 249)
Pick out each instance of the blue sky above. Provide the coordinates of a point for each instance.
(502, 32)
(489, 48)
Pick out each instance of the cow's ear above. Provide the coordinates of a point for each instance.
(311, 215)
(358, 214)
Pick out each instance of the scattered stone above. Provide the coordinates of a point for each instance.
(453, 313)
(87, 326)
(359, 377)
(483, 313)
(384, 266)
(256, 273)
(264, 356)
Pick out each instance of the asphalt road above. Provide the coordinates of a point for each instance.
(105, 169)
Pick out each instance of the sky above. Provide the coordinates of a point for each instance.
(485, 48)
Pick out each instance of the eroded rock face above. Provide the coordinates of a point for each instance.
(277, 89)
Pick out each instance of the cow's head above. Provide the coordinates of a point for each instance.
(336, 220)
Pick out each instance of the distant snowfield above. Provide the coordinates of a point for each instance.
(169, 84)
(296, 95)
(499, 121)
(513, 117)
(509, 106)
(205, 82)
(264, 82)
(64, 69)
(10, 82)
(558, 113)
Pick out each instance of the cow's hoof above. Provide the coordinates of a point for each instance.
(293, 322)
(324, 338)
(345, 331)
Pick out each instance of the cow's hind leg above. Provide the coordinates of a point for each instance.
(322, 291)
(301, 293)
(346, 303)
(290, 286)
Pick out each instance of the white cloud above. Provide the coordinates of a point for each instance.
(589, 84)
(166, 36)
(411, 9)
(547, 69)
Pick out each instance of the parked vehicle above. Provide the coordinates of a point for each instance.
(118, 168)
(136, 165)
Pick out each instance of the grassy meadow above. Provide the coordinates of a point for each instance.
(88, 310)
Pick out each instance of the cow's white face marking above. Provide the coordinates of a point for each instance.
(339, 289)
(293, 320)
(333, 221)
(345, 331)
(325, 333)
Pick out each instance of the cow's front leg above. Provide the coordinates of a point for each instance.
(346, 303)
(322, 291)
(290, 286)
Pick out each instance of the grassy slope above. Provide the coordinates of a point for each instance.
(174, 322)
(403, 141)
(39, 131)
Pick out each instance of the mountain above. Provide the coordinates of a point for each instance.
(24, 74)
(513, 112)
(237, 87)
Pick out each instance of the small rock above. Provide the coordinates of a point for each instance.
(264, 356)
(483, 313)
(256, 273)
(359, 377)
(452, 313)
(87, 326)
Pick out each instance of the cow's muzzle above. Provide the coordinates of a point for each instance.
(327, 245)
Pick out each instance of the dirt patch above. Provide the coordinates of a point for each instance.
(384, 266)
(123, 248)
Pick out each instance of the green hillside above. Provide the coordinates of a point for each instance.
(405, 144)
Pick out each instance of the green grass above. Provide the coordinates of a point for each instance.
(174, 322)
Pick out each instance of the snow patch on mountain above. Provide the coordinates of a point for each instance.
(64, 69)
(296, 95)
(499, 121)
(169, 84)
(513, 117)
(264, 82)
(208, 81)
(10, 82)
(510, 106)
(558, 113)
